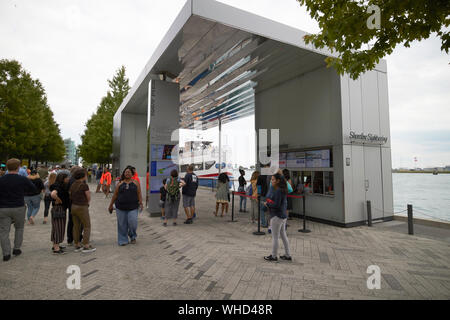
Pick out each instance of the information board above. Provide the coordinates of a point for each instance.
(283, 160)
(162, 168)
(296, 160)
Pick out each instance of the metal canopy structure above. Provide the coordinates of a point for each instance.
(220, 55)
(217, 64)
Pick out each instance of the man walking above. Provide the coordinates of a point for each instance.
(98, 177)
(189, 192)
(12, 207)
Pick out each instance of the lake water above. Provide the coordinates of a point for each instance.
(429, 194)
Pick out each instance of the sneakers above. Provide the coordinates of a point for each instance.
(17, 252)
(269, 230)
(133, 241)
(286, 258)
(188, 221)
(87, 250)
(165, 224)
(174, 223)
(270, 258)
(6, 258)
(59, 252)
(77, 249)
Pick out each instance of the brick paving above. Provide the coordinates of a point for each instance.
(216, 259)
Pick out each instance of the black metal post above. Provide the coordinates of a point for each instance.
(369, 213)
(232, 209)
(304, 230)
(410, 219)
(259, 232)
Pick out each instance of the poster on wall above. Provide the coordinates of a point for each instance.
(318, 159)
(296, 160)
(155, 184)
(157, 151)
(162, 151)
(162, 168)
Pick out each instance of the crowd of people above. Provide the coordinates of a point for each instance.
(67, 197)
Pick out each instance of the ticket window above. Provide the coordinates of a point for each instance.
(328, 182)
(318, 182)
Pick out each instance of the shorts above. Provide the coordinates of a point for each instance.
(162, 204)
(188, 201)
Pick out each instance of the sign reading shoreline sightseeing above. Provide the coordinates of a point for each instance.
(367, 139)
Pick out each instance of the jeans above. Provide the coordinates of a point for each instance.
(8, 215)
(33, 204)
(279, 229)
(47, 202)
(127, 222)
(263, 214)
(243, 200)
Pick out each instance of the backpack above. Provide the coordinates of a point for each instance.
(173, 190)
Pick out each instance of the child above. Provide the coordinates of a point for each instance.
(162, 199)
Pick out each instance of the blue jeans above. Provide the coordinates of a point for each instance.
(243, 200)
(127, 222)
(33, 204)
(263, 214)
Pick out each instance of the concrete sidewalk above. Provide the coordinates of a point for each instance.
(216, 259)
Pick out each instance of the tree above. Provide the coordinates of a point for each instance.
(96, 141)
(347, 27)
(27, 127)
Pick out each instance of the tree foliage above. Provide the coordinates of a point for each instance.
(96, 141)
(27, 127)
(344, 29)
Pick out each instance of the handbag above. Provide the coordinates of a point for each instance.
(58, 211)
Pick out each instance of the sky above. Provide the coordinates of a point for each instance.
(74, 47)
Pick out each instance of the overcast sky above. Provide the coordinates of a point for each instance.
(73, 47)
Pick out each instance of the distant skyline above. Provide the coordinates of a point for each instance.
(74, 47)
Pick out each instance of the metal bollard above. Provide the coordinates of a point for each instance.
(410, 219)
(369, 213)
(304, 230)
(232, 208)
(259, 232)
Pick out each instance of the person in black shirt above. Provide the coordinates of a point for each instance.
(242, 184)
(162, 199)
(127, 199)
(189, 192)
(12, 207)
(263, 184)
(60, 196)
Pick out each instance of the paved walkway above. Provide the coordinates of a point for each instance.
(215, 259)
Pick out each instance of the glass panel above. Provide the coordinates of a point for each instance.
(329, 183)
(318, 182)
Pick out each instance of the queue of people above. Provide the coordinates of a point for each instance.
(69, 194)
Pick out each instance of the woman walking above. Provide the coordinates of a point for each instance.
(47, 198)
(128, 199)
(60, 201)
(80, 197)
(277, 203)
(33, 199)
(223, 193)
(173, 196)
(254, 195)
